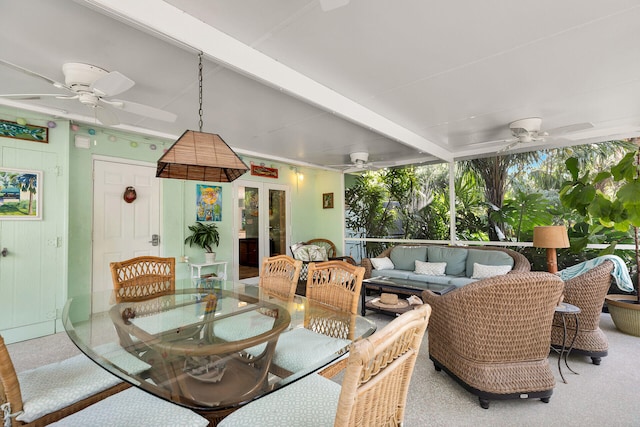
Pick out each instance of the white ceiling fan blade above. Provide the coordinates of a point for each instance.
(33, 74)
(111, 84)
(141, 110)
(106, 116)
(35, 96)
(508, 147)
(576, 127)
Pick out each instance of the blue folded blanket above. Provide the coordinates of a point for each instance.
(619, 273)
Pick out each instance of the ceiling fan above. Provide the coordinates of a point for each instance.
(529, 130)
(359, 163)
(93, 87)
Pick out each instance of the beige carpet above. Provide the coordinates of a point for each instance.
(608, 394)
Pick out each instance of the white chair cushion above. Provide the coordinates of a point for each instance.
(300, 348)
(309, 402)
(481, 271)
(122, 358)
(133, 407)
(49, 388)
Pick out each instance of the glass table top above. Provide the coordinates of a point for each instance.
(207, 348)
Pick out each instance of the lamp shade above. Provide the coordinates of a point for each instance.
(550, 236)
(200, 156)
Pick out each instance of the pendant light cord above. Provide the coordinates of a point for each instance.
(200, 90)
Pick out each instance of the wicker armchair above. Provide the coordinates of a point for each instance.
(75, 383)
(279, 276)
(330, 247)
(142, 278)
(493, 336)
(373, 392)
(587, 291)
(335, 283)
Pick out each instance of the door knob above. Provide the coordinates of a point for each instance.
(155, 240)
(4, 252)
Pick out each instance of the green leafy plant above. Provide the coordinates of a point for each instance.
(606, 213)
(203, 235)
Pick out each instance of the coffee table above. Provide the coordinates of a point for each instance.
(403, 287)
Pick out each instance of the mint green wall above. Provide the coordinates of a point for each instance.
(308, 220)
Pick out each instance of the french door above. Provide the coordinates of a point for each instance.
(261, 225)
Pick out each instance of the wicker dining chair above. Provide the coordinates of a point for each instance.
(279, 276)
(586, 291)
(336, 283)
(40, 396)
(493, 336)
(142, 278)
(373, 391)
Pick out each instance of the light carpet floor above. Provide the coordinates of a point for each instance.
(608, 394)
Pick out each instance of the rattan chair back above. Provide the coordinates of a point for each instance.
(324, 243)
(493, 335)
(335, 283)
(586, 291)
(379, 368)
(279, 276)
(142, 278)
(9, 386)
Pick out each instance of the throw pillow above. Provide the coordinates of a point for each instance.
(310, 253)
(481, 271)
(382, 263)
(430, 268)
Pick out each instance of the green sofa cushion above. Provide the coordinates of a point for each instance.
(486, 257)
(454, 257)
(404, 257)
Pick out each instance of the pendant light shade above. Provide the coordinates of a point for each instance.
(200, 156)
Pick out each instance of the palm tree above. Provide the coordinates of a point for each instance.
(494, 171)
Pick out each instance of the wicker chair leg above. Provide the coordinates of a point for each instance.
(545, 399)
(484, 403)
(596, 360)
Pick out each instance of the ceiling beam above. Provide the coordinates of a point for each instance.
(163, 19)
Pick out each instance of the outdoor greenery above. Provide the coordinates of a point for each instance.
(499, 198)
(608, 203)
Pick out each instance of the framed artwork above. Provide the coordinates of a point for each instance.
(327, 200)
(208, 203)
(26, 132)
(20, 194)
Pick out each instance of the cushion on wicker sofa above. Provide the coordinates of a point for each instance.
(459, 270)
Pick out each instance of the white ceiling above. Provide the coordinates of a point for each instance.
(404, 80)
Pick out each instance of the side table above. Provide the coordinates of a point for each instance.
(565, 309)
(220, 267)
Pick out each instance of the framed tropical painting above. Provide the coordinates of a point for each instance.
(20, 194)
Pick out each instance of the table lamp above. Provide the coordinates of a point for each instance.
(551, 237)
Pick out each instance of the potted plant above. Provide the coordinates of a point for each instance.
(205, 236)
(619, 212)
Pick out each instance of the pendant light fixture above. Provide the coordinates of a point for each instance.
(201, 156)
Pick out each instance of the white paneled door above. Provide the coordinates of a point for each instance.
(123, 230)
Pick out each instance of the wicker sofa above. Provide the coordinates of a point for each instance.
(493, 336)
(460, 262)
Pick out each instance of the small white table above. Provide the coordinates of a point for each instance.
(221, 270)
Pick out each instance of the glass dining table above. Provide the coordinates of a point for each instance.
(208, 346)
